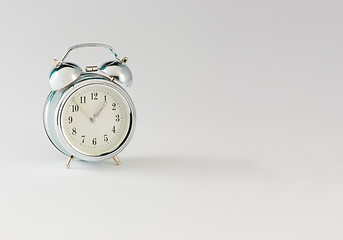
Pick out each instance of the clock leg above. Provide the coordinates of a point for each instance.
(69, 161)
(115, 158)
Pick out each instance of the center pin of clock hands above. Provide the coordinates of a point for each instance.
(96, 115)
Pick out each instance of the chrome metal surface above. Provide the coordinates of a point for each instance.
(119, 72)
(53, 113)
(90, 45)
(63, 75)
(49, 121)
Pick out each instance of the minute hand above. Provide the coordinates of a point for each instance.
(100, 109)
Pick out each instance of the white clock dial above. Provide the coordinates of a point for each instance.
(95, 119)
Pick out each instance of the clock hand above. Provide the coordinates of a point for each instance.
(84, 109)
(96, 115)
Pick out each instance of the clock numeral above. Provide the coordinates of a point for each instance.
(94, 96)
(74, 131)
(105, 98)
(105, 138)
(114, 105)
(83, 137)
(70, 119)
(117, 118)
(83, 99)
(75, 108)
(114, 129)
(94, 141)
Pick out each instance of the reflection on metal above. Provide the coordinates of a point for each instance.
(118, 72)
(63, 75)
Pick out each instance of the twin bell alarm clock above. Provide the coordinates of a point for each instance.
(88, 115)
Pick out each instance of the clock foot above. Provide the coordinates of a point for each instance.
(69, 161)
(115, 158)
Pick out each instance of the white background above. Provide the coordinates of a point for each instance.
(239, 131)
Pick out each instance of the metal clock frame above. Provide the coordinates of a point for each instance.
(53, 112)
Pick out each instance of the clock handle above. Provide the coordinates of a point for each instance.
(92, 45)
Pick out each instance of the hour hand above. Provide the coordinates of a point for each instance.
(83, 108)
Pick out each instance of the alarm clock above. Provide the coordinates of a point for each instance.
(88, 114)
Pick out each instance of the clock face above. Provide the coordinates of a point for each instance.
(95, 119)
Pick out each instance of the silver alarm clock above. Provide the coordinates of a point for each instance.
(88, 115)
